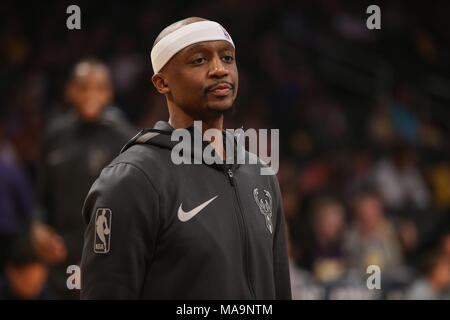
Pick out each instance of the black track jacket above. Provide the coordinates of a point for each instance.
(157, 230)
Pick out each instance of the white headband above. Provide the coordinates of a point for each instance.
(189, 34)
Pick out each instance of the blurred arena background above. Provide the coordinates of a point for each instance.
(364, 119)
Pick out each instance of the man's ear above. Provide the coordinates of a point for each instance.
(160, 83)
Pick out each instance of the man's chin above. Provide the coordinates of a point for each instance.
(220, 110)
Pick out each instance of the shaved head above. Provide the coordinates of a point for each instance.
(83, 67)
(175, 26)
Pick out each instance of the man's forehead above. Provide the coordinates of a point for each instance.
(210, 45)
(86, 69)
(180, 40)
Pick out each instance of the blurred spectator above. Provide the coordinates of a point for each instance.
(25, 274)
(359, 175)
(25, 125)
(435, 280)
(399, 181)
(380, 128)
(403, 118)
(323, 253)
(440, 181)
(372, 239)
(15, 197)
(76, 148)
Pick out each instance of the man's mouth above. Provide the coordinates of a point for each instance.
(221, 89)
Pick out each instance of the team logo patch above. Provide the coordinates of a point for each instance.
(102, 238)
(265, 206)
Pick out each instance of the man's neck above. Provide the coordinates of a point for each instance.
(177, 123)
(181, 120)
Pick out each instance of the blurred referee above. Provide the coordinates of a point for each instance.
(77, 145)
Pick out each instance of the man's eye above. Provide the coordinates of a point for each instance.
(228, 58)
(198, 61)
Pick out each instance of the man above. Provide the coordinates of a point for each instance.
(186, 231)
(372, 239)
(76, 148)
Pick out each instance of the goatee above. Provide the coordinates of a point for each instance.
(217, 113)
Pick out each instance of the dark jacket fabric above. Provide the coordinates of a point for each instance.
(233, 248)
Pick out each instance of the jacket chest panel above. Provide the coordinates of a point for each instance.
(211, 217)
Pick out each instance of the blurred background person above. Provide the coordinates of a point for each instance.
(15, 196)
(400, 182)
(372, 239)
(76, 147)
(324, 254)
(434, 280)
(25, 274)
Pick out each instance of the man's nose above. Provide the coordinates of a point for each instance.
(218, 69)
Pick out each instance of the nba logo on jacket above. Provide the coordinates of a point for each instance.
(102, 238)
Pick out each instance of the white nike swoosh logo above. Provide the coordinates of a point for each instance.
(185, 216)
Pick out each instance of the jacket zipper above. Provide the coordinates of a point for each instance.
(243, 229)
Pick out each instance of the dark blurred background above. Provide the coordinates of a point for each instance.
(364, 119)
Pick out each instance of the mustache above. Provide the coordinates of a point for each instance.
(208, 88)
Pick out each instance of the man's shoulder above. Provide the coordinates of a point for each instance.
(115, 119)
(124, 175)
(146, 158)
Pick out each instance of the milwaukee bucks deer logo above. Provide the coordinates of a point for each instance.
(265, 206)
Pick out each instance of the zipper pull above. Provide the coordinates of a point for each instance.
(230, 175)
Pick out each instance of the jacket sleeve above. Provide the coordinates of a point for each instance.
(117, 270)
(280, 256)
